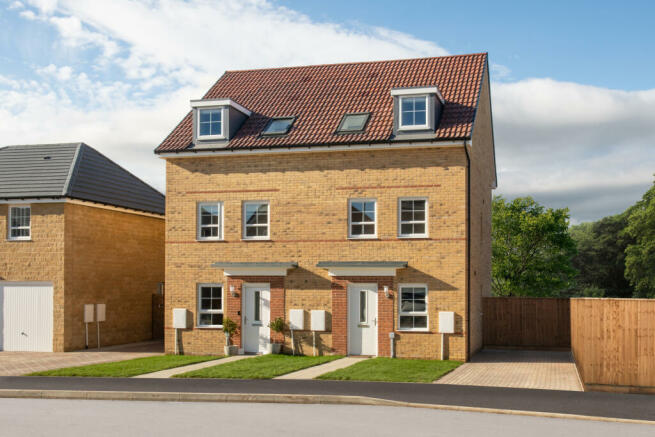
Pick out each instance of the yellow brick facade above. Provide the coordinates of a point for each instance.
(91, 254)
(308, 195)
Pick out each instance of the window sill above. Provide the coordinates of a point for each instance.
(413, 237)
(18, 240)
(210, 327)
(210, 240)
(374, 237)
(413, 128)
(409, 331)
(255, 239)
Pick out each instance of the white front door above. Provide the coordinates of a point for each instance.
(256, 315)
(362, 319)
(26, 317)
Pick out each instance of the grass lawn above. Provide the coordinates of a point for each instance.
(262, 367)
(394, 370)
(127, 368)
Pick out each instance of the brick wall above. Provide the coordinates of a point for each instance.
(482, 178)
(115, 258)
(308, 196)
(40, 259)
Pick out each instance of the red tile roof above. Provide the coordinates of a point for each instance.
(319, 95)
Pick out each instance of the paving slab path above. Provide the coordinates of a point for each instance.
(22, 363)
(549, 370)
(313, 372)
(192, 367)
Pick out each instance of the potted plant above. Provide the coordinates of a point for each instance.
(229, 327)
(277, 325)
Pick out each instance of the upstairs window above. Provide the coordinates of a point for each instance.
(20, 218)
(414, 112)
(255, 220)
(353, 123)
(210, 221)
(278, 126)
(362, 218)
(413, 217)
(210, 123)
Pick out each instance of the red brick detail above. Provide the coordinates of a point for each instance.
(234, 309)
(340, 312)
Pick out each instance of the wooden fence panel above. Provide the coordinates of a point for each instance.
(526, 322)
(613, 342)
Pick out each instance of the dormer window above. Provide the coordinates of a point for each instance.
(416, 110)
(278, 126)
(210, 123)
(215, 121)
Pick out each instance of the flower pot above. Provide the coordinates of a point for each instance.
(274, 348)
(230, 350)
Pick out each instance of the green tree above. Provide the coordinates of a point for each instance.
(640, 256)
(600, 258)
(531, 248)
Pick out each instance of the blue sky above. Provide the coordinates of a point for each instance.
(573, 91)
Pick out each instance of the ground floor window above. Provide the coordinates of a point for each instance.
(413, 310)
(210, 305)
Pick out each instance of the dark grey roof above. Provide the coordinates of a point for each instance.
(73, 170)
(396, 264)
(288, 265)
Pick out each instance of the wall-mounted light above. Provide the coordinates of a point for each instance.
(386, 291)
(233, 291)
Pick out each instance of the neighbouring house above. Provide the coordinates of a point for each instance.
(75, 229)
(360, 189)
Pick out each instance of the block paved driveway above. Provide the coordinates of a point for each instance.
(21, 363)
(550, 370)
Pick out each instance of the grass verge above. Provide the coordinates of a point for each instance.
(394, 370)
(263, 367)
(127, 368)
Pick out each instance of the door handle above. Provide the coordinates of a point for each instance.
(375, 321)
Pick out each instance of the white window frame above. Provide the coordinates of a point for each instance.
(350, 222)
(199, 302)
(245, 224)
(402, 126)
(425, 313)
(210, 137)
(400, 220)
(9, 227)
(199, 225)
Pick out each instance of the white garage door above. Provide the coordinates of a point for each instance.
(25, 316)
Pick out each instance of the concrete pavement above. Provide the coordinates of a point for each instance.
(101, 418)
(313, 372)
(613, 405)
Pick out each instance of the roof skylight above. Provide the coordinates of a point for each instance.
(353, 123)
(278, 126)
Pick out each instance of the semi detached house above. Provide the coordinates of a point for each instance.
(362, 190)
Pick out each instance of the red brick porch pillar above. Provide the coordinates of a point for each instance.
(233, 306)
(385, 315)
(340, 315)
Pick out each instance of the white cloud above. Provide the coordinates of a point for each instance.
(15, 5)
(570, 139)
(585, 147)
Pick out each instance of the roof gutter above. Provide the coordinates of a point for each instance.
(193, 153)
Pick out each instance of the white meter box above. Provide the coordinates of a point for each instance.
(446, 322)
(318, 320)
(88, 313)
(180, 318)
(297, 320)
(101, 312)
